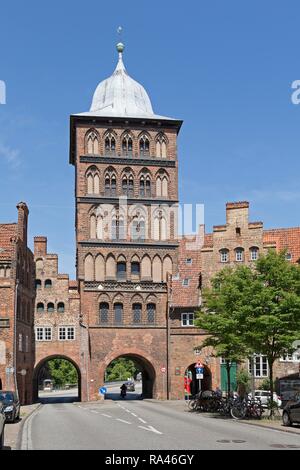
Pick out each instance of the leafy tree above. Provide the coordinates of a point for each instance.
(221, 315)
(273, 323)
(243, 380)
(256, 310)
(121, 369)
(62, 372)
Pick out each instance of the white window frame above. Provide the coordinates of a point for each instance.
(189, 261)
(295, 357)
(184, 283)
(261, 366)
(27, 343)
(187, 319)
(239, 255)
(224, 256)
(253, 251)
(43, 333)
(66, 331)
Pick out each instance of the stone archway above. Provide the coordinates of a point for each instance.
(39, 366)
(206, 382)
(147, 372)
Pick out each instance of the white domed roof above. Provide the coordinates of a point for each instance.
(121, 96)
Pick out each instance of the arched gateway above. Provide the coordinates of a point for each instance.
(38, 370)
(147, 372)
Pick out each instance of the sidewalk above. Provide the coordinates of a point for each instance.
(12, 430)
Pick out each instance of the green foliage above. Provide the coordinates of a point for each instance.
(265, 385)
(62, 372)
(121, 369)
(243, 380)
(256, 310)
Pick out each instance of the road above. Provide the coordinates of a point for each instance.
(142, 424)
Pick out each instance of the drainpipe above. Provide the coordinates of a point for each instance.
(15, 339)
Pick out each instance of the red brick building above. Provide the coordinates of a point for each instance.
(16, 307)
(138, 284)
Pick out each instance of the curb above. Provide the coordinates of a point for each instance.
(265, 426)
(23, 422)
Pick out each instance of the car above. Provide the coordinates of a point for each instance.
(11, 405)
(2, 426)
(264, 397)
(130, 386)
(291, 412)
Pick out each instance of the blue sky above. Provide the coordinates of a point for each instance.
(225, 68)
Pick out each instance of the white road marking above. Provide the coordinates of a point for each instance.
(123, 421)
(142, 420)
(134, 415)
(93, 411)
(107, 416)
(151, 429)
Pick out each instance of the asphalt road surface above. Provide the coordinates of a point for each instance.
(141, 424)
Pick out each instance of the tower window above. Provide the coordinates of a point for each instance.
(137, 313)
(110, 144)
(118, 312)
(38, 283)
(144, 145)
(151, 311)
(103, 311)
(253, 253)
(121, 271)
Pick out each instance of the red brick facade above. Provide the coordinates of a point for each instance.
(16, 307)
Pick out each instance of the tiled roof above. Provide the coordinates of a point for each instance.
(7, 232)
(285, 239)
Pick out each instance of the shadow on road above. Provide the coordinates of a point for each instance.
(129, 396)
(55, 399)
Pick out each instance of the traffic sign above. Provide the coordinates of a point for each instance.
(199, 376)
(163, 370)
(199, 370)
(199, 365)
(102, 390)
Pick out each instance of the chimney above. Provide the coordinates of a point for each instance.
(40, 246)
(22, 221)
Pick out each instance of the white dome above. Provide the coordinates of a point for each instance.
(120, 95)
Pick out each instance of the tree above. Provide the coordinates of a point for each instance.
(62, 372)
(273, 323)
(250, 311)
(121, 369)
(221, 315)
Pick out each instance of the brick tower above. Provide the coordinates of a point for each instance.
(126, 190)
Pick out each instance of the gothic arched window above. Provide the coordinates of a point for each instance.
(127, 145)
(92, 143)
(110, 144)
(144, 145)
